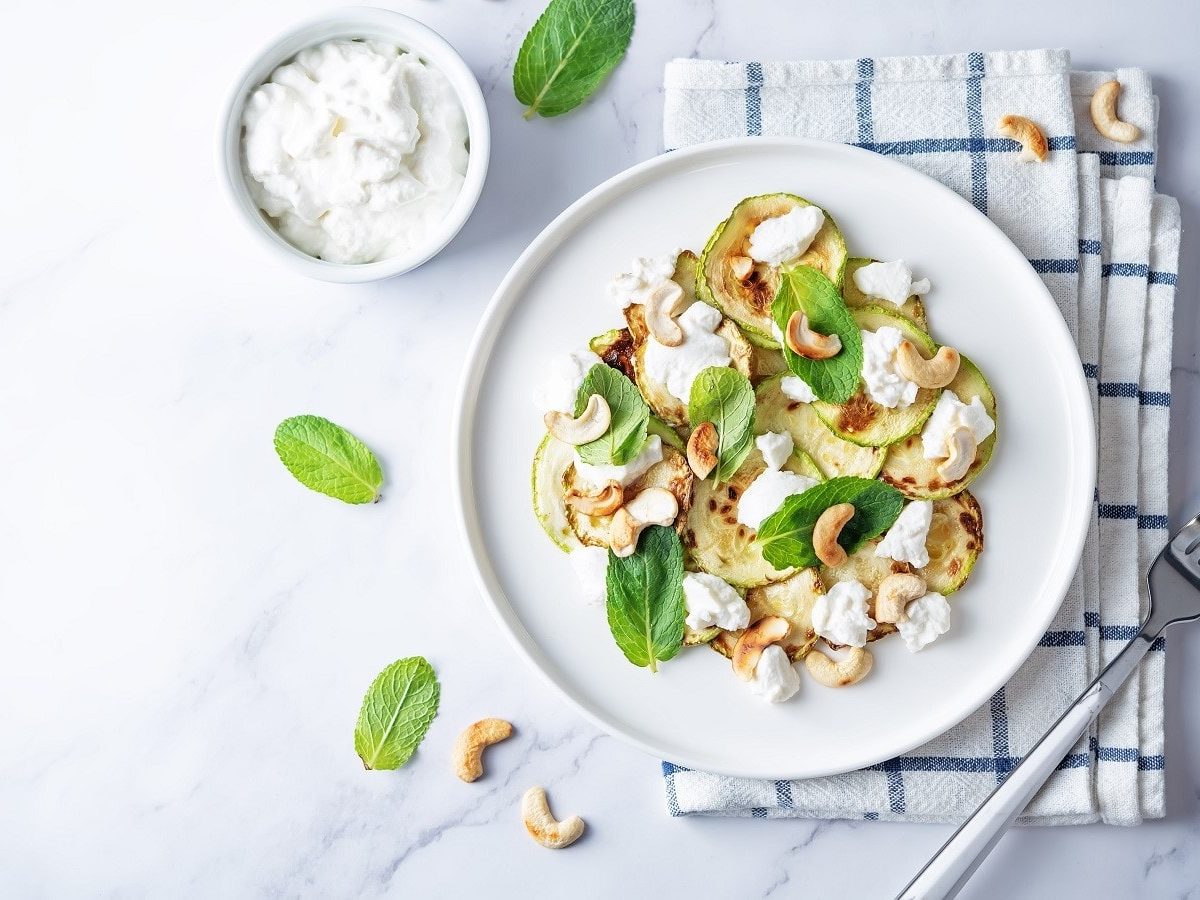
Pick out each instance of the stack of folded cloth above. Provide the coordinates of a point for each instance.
(1106, 245)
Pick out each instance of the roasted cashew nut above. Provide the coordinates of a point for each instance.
(962, 453)
(1032, 139)
(702, 449)
(541, 824)
(661, 307)
(741, 266)
(468, 749)
(803, 341)
(591, 424)
(1104, 115)
(927, 373)
(754, 640)
(894, 594)
(653, 506)
(850, 670)
(826, 531)
(602, 502)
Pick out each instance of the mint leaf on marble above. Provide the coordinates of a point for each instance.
(329, 459)
(396, 712)
(571, 48)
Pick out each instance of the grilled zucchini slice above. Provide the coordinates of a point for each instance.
(793, 600)
(767, 363)
(912, 309)
(907, 469)
(550, 463)
(775, 411)
(860, 419)
(673, 473)
(616, 349)
(748, 300)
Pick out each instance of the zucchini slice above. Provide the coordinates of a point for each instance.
(833, 456)
(748, 300)
(860, 419)
(669, 435)
(550, 464)
(802, 464)
(907, 469)
(767, 363)
(793, 600)
(716, 542)
(616, 349)
(703, 636)
(912, 309)
(673, 473)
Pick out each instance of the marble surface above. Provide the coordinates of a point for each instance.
(185, 634)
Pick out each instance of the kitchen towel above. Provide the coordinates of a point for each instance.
(1107, 247)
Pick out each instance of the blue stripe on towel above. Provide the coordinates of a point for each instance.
(754, 80)
(862, 98)
(975, 125)
(1129, 270)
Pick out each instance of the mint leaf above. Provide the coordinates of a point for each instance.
(571, 48)
(725, 397)
(396, 712)
(785, 538)
(803, 288)
(327, 458)
(645, 598)
(626, 435)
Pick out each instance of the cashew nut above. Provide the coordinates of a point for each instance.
(852, 669)
(591, 424)
(1032, 138)
(927, 373)
(826, 531)
(962, 453)
(754, 640)
(542, 826)
(702, 449)
(603, 502)
(740, 266)
(803, 341)
(468, 749)
(1104, 115)
(661, 307)
(653, 506)
(894, 594)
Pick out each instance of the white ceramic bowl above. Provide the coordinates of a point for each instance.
(356, 22)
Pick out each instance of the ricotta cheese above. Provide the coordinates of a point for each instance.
(766, 493)
(884, 384)
(925, 620)
(776, 448)
(598, 476)
(711, 601)
(840, 616)
(775, 678)
(644, 275)
(949, 415)
(891, 281)
(591, 567)
(905, 540)
(560, 387)
(796, 388)
(781, 239)
(355, 150)
(678, 367)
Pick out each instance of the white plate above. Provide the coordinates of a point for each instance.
(1036, 493)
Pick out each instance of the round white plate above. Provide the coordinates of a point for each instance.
(1036, 493)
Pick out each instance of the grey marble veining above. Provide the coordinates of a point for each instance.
(185, 635)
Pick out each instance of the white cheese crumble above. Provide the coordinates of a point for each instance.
(644, 275)
(905, 540)
(841, 615)
(891, 281)
(598, 476)
(712, 601)
(776, 448)
(924, 621)
(949, 415)
(884, 384)
(781, 239)
(591, 567)
(564, 374)
(766, 493)
(678, 367)
(796, 388)
(775, 678)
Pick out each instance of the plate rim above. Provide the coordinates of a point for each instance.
(479, 350)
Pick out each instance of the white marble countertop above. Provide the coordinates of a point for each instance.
(186, 634)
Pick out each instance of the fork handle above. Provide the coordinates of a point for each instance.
(945, 874)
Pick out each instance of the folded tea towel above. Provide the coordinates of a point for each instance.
(1107, 248)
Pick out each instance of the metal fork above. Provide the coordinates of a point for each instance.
(1174, 585)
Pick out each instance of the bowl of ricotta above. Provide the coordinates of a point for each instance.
(355, 145)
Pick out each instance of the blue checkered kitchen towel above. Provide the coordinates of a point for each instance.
(1107, 246)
